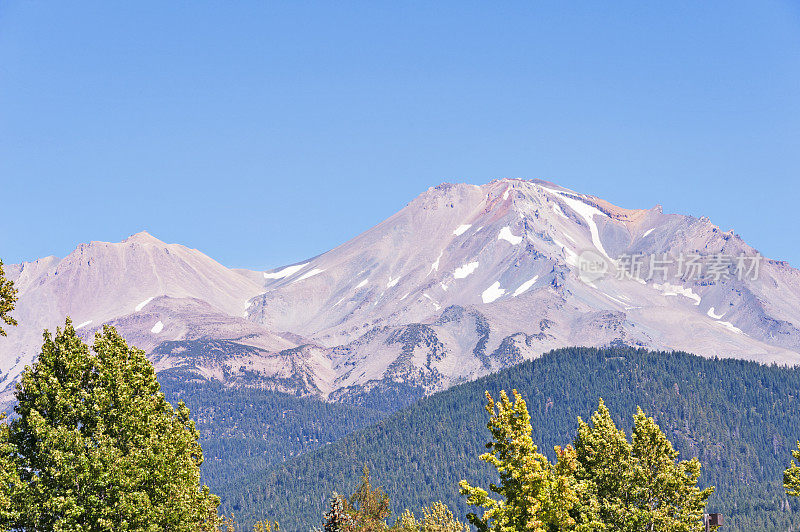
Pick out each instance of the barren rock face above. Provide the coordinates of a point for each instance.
(463, 281)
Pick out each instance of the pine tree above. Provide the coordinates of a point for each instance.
(604, 482)
(639, 485)
(8, 298)
(97, 446)
(368, 508)
(791, 477)
(336, 519)
(266, 526)
(536, 496)
(436, 518)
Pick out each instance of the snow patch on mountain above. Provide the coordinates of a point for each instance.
(392, 282)
(461, 229)
(362, 283)
(731, 327)
(143, 304)
(648, 232)
(286, 272)
(558, 211)
(308, 274)
(524, 287)
(587, 212)
(157, 328)
(668, 289)
(465, 270)
(435, 303)
(84, 324)
(714, 315)
(570, 256)
(508, 236)
(435, 265)
(492, 293)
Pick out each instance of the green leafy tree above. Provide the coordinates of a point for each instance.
(436, 518)
(639, 485)
(97, 447)
(9, 476)
(791, 477)
(535, 495)
(8, 298)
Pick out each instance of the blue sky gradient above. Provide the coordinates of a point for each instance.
(263, 133)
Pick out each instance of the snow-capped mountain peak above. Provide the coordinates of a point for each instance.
(464, 280)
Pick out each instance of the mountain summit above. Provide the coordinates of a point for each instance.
(461, 282)
(468, 279)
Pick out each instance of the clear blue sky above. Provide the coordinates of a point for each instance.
(263, 133)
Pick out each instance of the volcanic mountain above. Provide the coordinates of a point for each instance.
(151, 291)
(463, 281)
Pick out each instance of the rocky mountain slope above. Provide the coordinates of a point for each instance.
(463, 281)
(468, 279)
(151, 291)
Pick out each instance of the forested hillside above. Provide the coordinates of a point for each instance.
(740, 418)
(246, 430)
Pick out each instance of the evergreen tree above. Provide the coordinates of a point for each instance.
(791, 477)
(436, 518)
(336, 519)
(536, 495)
(266, 526)
(368, 508)
(639, 485)
(604, 483)
(739, 418)
(97, 446)
(8, 298)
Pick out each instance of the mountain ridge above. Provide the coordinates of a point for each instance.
(463, 281)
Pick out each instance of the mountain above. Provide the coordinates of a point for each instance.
(463, 281)
(468, 279)
(151, 291)
(740, 418)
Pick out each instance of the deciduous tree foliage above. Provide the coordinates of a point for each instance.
(97, 447)
(9, 477)
(604, 483)
(8, 298)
